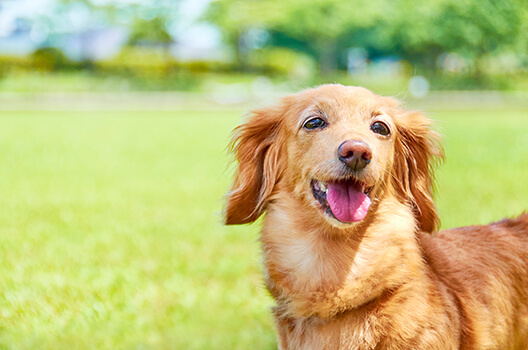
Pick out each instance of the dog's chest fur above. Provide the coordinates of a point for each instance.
(348, 291)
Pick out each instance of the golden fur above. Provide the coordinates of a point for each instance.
(389, 281)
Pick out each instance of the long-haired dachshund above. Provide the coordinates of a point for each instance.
(351, 250)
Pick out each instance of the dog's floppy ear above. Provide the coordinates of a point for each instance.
(417, 152)
(256, 147)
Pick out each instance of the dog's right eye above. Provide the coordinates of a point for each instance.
(380, 128)
(314, 123)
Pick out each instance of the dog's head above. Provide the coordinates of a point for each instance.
(337, 150)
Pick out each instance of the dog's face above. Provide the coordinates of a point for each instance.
(337, 150)
(342, 148)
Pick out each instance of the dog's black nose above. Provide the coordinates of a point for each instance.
(355, 154)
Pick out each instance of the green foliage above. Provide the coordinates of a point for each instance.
(8, 64)
(416, 31)
(49, 59)
(151, 31)
(468, 27)
(139, 61)
(283, 61)
(317, 23)
(308, 40)
(156, 69)
(300, 19)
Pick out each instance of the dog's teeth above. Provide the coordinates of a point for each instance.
(323, 187)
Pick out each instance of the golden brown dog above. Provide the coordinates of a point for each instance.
(351, 252)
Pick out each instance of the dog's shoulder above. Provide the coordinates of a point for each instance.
(517, 226)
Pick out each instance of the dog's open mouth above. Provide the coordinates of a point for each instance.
(345, 200)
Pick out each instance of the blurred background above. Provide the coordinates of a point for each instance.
(231, 50)
(115, 116)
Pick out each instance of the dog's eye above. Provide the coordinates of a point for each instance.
(314, 123)
(380, 128)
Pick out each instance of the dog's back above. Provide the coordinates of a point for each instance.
(485, 268)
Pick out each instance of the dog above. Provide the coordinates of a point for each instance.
(351, 249)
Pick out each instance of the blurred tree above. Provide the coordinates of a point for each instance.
(472, 28)
(148, 20)
(150, 31)
(48, 59)
(416, 31)
(315, 25)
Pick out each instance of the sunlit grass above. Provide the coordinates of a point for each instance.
(484, 177)
(110, 233)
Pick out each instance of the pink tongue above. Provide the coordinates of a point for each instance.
(347, 201)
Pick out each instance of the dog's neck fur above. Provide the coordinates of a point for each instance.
(310, 272)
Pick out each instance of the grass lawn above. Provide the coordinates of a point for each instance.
(110, 233)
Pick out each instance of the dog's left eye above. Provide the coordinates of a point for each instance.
(314, 123)
(380, 128)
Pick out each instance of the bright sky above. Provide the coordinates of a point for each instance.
(78, 16)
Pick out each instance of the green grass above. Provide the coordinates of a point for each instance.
(485, 174)
(110, 233)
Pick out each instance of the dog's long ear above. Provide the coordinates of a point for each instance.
(417, 152)
(256, 147)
